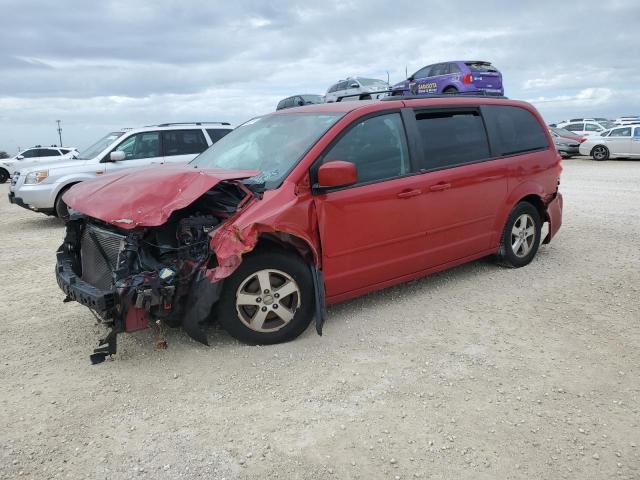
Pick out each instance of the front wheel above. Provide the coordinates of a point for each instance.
(4, 175)
(520, 237)
(268, 299)
(61, 208)
(600, 152)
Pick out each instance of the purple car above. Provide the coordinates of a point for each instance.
(467, 76)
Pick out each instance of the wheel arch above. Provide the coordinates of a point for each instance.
(526, 192)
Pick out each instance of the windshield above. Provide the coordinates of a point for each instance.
(607, 124)
(313, 98)
(564, 133)
(272, 145)
(371, 82)
(99, 146)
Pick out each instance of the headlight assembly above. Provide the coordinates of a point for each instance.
(36, 177)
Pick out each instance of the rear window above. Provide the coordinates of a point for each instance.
(452, 138)
(217, 133)
(481, 67)
(514, 130)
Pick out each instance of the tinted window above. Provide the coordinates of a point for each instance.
(422, 73)
(141, 145)
(574, 127)
(65, 150)
(514, 130)
(439, 69)
(343, 85)
(216, 134)
(280, 105)
(636, 132)
(183, 142)
(621, 132)
(454, 68)
(481, 67)
(452, 138)
(30, 153)
(376, 146)
(312, 98)
(592, 127)
(48, 152)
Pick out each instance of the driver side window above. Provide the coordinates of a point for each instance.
(376, 146)
(141, 145)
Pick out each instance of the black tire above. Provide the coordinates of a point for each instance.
(600, 153)
(244, 279)
(450, 90)
(365, 97)
(61, 209)
(4, 175)
(524, 252)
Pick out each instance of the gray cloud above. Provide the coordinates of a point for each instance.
(102, 65)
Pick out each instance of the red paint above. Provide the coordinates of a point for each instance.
(363, 237)
(145, 196)
(337, 173)
(136, 320)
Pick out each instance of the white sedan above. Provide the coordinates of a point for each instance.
(622, 142)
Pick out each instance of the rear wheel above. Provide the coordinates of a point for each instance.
(520, 237)
(600, 152)
(450, 90)
(268, 299)
(4, 175)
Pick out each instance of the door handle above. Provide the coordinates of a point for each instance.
(439, 187)
(409, 193)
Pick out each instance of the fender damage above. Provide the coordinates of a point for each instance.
(160, 256)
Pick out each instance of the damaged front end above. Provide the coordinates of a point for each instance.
(133, 276)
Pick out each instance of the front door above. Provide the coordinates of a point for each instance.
(140, 149)
(373, 231)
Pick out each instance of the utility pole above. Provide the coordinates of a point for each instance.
(59, 132)
(387, 76)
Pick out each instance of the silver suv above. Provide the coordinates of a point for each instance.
(356, 88)
(41, 187)
(33, 155)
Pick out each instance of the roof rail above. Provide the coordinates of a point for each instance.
(442, 95)
(188, 123)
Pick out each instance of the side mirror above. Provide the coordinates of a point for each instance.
(300, 103)
(337, 173)
(117, 156)
(20, 157)
(354, 85)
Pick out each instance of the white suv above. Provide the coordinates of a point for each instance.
(33, 155)
(356, 88)
(40, 188)
(587, 126)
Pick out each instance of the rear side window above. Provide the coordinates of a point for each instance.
(376, 146)
(513, 130)
(451, 138)
(592, 127)
(183, 142)
(47, 152)
(217, 133)
(454, 68)
(439, 69)
(574, 127)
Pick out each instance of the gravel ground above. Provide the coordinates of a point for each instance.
(476, 373)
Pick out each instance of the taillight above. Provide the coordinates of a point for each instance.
(582, 139)
(468, 78)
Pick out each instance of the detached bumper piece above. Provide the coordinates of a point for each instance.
(80, 291)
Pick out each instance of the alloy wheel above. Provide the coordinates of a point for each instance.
(267, 300)
(599, 153)
(523, 235)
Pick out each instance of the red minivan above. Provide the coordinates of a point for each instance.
(310, 206)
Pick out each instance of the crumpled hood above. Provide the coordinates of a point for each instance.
(146, 196)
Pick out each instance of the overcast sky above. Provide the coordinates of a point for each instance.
(98, 66)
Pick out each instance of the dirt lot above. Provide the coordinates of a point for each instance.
(476, 373)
